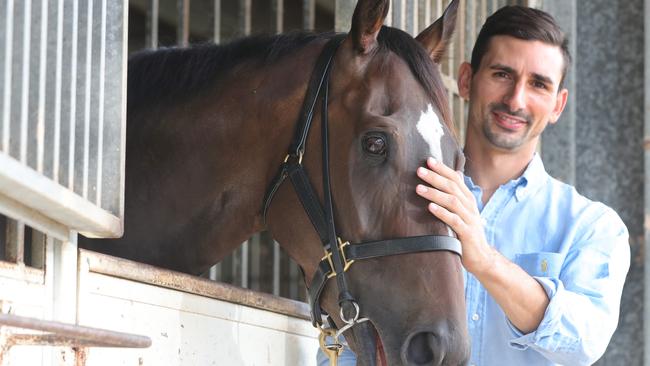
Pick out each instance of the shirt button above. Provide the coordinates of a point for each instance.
(475, 317)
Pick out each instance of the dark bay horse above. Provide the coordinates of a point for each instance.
(208, 127)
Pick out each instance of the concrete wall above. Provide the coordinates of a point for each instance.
(598, 145)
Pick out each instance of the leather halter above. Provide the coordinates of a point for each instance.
(338, 255)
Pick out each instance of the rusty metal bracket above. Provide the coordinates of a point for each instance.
(63, 334)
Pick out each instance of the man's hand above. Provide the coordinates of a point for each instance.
(454, 204)
(521, 297)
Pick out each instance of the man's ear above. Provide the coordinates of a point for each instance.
(437, 36)
(465, 74)
(560, 102)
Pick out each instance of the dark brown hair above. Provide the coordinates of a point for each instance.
(523, 23)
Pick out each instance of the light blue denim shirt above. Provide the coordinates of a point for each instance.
(575, 248)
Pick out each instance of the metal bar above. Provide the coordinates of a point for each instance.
(472, 23)
(57, 94)
(411, 17)
(425, 14)
(72, 120)
(254, 272)
(153, 13)
(245, 17)
(214, 272)
(482, 18)
(293, 279)
(17, 62)
(277, 7)
(24, 98)
(88, 97)
(309, 14)
(113, 152)
(81, 76)
(462, 36)
(15, 241)
(244, 264)
(4, 14)
(70, 334)
(8, 55)
(101, 102)
(234, 266)
(40, 117)
(415, 16)
(276, 268)
(216, 18)
(183, 30)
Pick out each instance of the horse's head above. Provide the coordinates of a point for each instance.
(388, 112)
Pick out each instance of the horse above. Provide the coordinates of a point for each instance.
(209, 125)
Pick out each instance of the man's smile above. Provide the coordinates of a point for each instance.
(508, 121)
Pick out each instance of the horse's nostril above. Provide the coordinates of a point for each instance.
(425, 348)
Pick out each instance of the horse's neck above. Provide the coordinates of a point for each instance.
(219, 153)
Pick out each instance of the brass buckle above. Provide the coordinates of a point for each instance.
(346, 263)
(300, 154)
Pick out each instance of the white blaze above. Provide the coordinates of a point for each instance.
(431, 130)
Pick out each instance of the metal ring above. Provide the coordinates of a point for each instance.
(354, 318)
(348, 326)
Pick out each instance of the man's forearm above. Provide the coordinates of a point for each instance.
(521, 297)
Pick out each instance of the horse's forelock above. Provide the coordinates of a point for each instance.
(424, 70)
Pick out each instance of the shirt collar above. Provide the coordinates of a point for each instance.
(527, 183)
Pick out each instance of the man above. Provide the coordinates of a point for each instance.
(545, 266)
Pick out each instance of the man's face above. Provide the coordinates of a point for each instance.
(514, 94)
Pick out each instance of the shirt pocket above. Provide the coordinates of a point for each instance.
(541, 264)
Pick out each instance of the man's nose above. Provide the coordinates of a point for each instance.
(516, 97)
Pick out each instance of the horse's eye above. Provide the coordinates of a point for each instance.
(374, 144)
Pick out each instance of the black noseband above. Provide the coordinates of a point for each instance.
(338, 255)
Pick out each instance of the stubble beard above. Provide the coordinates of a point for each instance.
(497, 136)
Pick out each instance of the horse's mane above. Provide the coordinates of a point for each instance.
(175, 73)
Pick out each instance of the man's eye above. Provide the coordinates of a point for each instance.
(501, 74)
(540, 85)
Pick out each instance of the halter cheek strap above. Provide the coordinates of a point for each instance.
(339, 255)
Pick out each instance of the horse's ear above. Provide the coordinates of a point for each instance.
(367, 20)
(437, 36)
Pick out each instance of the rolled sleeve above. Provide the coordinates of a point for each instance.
(551, 335)
(584, 301)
